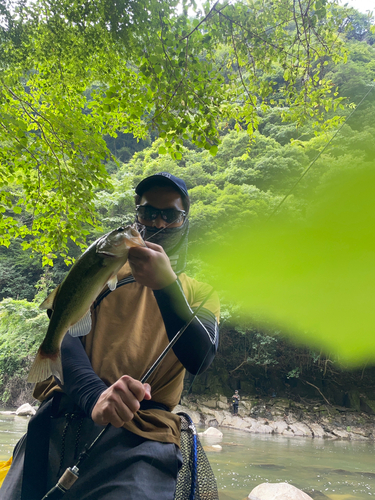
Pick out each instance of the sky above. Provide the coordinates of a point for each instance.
(361, 5)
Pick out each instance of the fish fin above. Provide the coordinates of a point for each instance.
(44, 366)
(48, 303)
(82, 327)
(112, 283)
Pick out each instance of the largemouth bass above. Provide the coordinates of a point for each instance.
(72, 299)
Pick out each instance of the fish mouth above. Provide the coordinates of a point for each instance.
(107, 254)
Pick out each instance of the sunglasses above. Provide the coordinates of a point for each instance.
(169, 215)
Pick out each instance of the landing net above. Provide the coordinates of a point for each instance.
(195, 480)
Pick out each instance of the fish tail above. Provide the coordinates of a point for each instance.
(44, 366)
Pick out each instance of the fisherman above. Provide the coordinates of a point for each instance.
(235, 402)
(139, 456)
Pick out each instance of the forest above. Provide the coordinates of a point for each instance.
(257, 151)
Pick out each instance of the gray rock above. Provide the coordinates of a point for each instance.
(194, 415)
(277, 491)
(211, 431)
(247, 405)
(279, 426)
(25, 410)
(317, 430)
(341, 433)
(214, 447)
(220, 416)
(288, 433)
(211, 403)
(222, 406)
(259, 428)
(213, 422)
(300, 429)
(357, 437)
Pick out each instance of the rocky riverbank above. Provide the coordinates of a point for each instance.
(271, 416)
(281, 416)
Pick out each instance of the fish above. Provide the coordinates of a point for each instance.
(71, 301)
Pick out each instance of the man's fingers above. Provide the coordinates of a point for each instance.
(116, 419)
(136, 387)
(120, 402)
(138, 253)
(147, 388)
(154, 246)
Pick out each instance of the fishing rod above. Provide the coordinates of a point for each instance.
(71, 474)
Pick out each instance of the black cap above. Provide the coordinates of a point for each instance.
(149, 182)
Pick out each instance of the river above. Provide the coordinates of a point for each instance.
(340, 470)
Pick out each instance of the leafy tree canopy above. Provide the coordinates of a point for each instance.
(73, 72)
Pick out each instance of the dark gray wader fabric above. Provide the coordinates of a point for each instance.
(122, 465)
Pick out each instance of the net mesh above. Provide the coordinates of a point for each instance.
(195, 480)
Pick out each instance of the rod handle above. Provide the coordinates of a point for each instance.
(65, 482)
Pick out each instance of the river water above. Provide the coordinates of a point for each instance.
(340, 470)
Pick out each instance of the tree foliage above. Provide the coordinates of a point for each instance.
(74, 72)
(70, 154)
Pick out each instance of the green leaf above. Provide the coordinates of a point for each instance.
(213, 150)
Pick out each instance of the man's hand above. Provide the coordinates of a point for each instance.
(151, 267)
(120, 402)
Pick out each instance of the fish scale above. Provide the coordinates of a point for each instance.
(71, 300)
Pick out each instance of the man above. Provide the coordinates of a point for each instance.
(235, 401)
(138, 457)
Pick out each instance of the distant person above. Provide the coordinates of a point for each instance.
(235, 401)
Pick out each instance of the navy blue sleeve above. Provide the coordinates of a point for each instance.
(197, 346)
(81, 383)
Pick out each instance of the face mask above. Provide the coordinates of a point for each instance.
(172, 239)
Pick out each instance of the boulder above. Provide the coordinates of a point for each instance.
(212, 432)
(214, 447)
(317, 430)
(206, 401)
(261, 429)
(341, 433)
(247, 405)
(356, 437)
(194, 415)
(279, 426)
(360, 431)
(249, 422)
(300, 429)
(231, 421)
(213, 423)
(211, 403)
(277, 491)
(243, 423)
(288, 433)
(25, 410)
(220, 416)
(222, 406)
